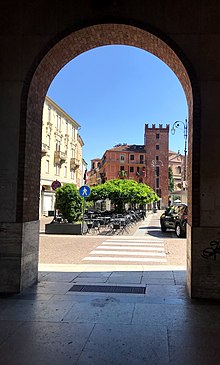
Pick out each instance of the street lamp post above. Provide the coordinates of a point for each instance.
(185, 131)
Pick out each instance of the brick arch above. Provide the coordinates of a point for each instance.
(51, 63)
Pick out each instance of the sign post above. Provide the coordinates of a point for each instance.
(84, 192)
(55, 185)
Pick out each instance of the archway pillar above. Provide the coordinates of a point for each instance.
(203, 273)
(19, 244)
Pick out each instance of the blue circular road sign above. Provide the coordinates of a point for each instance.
(84, 191)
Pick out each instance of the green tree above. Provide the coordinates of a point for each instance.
(171, 180)
(123, 191)
(69, 202)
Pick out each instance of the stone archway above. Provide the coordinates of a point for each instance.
(36, 86)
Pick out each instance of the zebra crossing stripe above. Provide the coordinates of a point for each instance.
(127, 253)
(127, 259)
(133, 244)
(135, 240)
(149, 248)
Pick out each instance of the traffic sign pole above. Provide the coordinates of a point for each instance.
(55, 185)
(84, 192)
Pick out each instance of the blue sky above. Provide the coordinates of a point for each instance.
(112, 91)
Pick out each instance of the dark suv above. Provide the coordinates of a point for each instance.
(175, 217)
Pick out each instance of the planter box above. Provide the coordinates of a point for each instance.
(65, 228)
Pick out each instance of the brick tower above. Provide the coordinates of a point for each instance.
(156, 142)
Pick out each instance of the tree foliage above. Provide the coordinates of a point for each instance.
(123, 191)
(171, 180)
(69, 202)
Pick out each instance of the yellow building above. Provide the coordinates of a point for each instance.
(61, 153)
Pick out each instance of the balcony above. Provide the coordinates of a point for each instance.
(44, 149)
(74, 163)
(59, 157)
(137, 162)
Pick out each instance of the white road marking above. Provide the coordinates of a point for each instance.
(135, 253)
(150, 248)
(135, 240)
(128, 259)
(133, 243)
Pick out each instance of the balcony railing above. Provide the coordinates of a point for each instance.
(59, 157)
(136, 162)
(74, 163)
(44, 149)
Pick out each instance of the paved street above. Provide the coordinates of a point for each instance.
(144, 245)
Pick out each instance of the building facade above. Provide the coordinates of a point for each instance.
(178, 166)
(61, 156)
(146, 163)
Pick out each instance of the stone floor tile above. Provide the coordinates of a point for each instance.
(90, 280)
(95, 274)
(158, 274)
(125, 277)
(180, 277)
(101, 309)
(60, 276)
(194, 346)
(33, 296)
(126, 345)
(157, 281)
(166, 291)
(32, 310)
(45, 287)
(161, 314)
(7, 328)
(45, 344)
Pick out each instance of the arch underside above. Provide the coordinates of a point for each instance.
(64, 51)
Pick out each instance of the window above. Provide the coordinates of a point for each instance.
(57, 170)
(178, 169)
(157, 135)
(157, 171)
(157, 182)
(73, 135)
(58, 122)
(157, 158)
(72, 174)
(131, 157)
(57, 145)
(66, 127)
(131, 168)
(122, 168)
(141, 158)
(122, 157)
(157, 147)
(112, 156)
(158, 192)
(93, 165)
(47, 166)
(49, 114)
(65, 171)
(48, 140)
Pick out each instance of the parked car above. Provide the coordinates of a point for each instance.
(175, 218)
